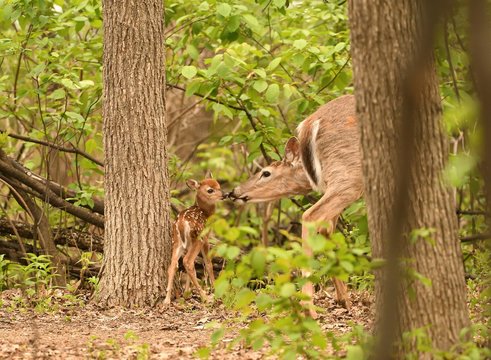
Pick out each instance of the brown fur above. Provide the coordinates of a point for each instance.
(186, 235)
(326, 158)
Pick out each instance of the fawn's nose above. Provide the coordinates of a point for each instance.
(232, 195)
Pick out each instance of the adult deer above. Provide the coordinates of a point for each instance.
(326, 157)
(186, 233)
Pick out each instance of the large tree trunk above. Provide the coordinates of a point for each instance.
(386, 38)
(137, 236)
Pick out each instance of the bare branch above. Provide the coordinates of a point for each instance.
(10, 171)
(72, 150)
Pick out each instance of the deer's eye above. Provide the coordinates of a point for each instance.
(210, 191)
(266, 174)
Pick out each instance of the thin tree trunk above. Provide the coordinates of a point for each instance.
(137, 236)
(385, 36)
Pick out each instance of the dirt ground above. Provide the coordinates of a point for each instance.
(81, 332)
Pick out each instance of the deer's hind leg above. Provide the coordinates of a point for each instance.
(188, 261)
(328, 209)
(207, 261)
(177, 251)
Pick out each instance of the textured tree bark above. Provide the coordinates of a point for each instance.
(385, 35)
(137, 236)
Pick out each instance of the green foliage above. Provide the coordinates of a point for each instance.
(267, 281)
(241, 54)
(261, 66)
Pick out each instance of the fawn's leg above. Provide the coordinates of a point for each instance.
(188, 261)
(207, 261)
(187, 284)
(177, 250)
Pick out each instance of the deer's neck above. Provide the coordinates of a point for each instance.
(300, 180)
(207, 208)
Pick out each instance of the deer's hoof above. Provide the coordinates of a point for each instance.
(313, 314)
(344, 303)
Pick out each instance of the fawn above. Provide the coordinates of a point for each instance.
(186, 234)
(326, 157)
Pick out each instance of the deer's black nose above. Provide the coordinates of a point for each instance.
(229, 195)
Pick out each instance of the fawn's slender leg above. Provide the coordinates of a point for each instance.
(188, 261)
(208, 265)
(187, 284)
(176, 254)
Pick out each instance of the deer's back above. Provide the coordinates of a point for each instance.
(190, 222)
(330, 146)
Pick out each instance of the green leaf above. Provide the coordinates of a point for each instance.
(217, 336)
(339, 46)
(57, 94)
(192, 51)
(244, 298)
(189, 71)
(263, 302)
(233, 23)
(203, 352)
(260, 85)
(232, 252)
(354, 352)
(279, 3)
(86, 83)
(287, 290)
(74, 116)
(224, 9)
(274, 63)
(272, 93)
(252, 22)
(204, 6)
(37, 70)
(69, 84)
(287, 90)
(300, 44)
(90, 146)
(221, 287)
(261, 72)
(258, 262)
(346, 265)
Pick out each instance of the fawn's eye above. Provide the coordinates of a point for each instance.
(210, 191)
(265, 174)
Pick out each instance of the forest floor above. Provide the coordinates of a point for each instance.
(78, 331)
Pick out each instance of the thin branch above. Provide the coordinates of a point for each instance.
(72, 150)
(449, 60)
(476, 237)
(472, 212)
(207, 98)
(175, 29)
(335, 76)
(19, 61)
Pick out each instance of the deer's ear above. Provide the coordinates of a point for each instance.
(192, 184)
(292, 150)
(208, 174)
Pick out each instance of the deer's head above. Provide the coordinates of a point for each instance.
(208, 192)
(277, 180)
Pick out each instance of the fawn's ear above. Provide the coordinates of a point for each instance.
(292, 150)
(192, 184)
(208, 174)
